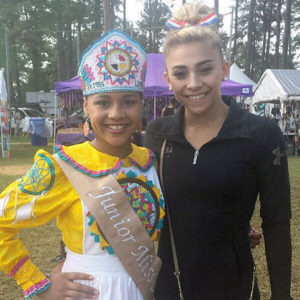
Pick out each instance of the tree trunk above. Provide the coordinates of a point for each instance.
(70, 69)
(124, 15)
(106, 15)
(235, 29)
(278, 21)
(112, 17)
(267, 64)
(18, 86)
(60, 48)
(98, 11)
(250, 41)
(287, 33)
(216, 6)
(265, 26)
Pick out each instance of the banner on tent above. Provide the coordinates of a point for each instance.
(4, 118)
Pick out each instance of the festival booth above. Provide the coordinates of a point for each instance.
(236, 74)
(68, 97)
(278, 92)
(156, 95)
(156, 92)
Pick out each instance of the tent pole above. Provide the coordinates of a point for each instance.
(154, 108)
(54, 125)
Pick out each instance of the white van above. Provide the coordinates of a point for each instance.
(25, 112)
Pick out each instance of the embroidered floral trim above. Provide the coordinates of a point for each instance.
(149, 163)
(68, 159)
(37, 289)
(16, 268)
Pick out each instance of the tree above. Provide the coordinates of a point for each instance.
(236, 14)
(154, 17)
(216, 7)
(278, 27)
(250, 42)
(287, 33)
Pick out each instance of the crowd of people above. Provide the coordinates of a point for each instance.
(214, 158)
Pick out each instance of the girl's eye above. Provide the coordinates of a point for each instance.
(206, 70)
(103, 103)
(179, 75)
(129, 102)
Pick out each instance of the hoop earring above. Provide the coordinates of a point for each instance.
(87, 127)
(170, 88)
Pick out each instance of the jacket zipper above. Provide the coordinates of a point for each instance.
(195, 157)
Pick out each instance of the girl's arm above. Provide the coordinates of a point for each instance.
(274, 189)
(33, 200)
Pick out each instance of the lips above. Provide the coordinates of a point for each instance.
(196, 97)
(116, 128)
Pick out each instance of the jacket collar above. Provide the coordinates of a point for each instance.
(235, 124)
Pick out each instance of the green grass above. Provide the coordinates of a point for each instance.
(22, 152)
(43, 242)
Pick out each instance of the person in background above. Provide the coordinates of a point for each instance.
(17, 119)
(112, 73)
(170, 109)
(218, 159)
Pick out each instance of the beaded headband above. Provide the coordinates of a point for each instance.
(206, 21)
(113, 63)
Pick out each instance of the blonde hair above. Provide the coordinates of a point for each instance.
(191, 14)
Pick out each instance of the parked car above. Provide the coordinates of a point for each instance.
(25, 112)
(75, 120)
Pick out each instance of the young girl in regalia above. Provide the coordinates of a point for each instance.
(105, 194)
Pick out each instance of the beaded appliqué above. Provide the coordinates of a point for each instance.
(117, 62)
(39, 178)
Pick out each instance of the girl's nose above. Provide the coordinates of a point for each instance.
(194, 81)
(116, 112)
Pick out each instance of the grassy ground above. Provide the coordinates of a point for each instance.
(43, 242)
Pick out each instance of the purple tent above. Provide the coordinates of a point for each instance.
(232, 88)
(66, 86)
(155, 84)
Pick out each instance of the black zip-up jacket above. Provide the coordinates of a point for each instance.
(211, 194)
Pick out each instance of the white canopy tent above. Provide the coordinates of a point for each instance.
(236, 74)
(277, 86)
(281, 87)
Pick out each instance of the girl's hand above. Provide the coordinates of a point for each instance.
(64, 288)
(254, 236)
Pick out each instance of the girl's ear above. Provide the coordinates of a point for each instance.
(168, 80)
(85, 109)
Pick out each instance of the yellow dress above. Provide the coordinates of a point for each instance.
(44, 193)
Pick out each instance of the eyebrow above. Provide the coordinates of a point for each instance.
(198, 64)
(108, 97)
(99, 97)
